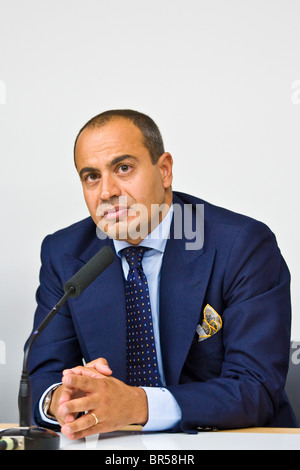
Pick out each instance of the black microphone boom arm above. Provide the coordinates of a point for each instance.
(24, 399)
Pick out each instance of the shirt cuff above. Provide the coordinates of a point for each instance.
(163, 410)
(44, 417)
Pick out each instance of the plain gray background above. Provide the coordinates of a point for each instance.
(220, 77)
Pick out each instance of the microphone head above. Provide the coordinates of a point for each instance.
(89, 272)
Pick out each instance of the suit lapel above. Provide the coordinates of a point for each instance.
(184, 279)
(99, 312)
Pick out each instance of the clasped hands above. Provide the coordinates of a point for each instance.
(108, 404)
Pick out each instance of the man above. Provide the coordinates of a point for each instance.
(219, 311)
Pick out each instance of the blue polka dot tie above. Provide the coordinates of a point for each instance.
(142, 368)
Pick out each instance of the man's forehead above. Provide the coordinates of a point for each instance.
(115, 127)
(116, 132)
(117, 137)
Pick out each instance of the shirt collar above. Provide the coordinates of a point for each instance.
(156, 239)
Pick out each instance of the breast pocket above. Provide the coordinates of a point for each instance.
(204, 360)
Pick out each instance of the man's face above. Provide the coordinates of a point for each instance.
(122, 188)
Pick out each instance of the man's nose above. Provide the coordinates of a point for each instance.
(108, 187)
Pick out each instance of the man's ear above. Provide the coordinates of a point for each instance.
(165, 164)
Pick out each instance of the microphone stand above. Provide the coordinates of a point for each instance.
(26, 436)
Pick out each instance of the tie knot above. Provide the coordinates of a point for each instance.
(134, 256)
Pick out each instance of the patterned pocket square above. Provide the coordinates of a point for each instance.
(212, 323)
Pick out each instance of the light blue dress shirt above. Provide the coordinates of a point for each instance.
(163, 410)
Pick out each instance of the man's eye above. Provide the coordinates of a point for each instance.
(124, 168)
(91, 177)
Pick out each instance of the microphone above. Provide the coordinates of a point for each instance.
(83, 278)
(30, 437)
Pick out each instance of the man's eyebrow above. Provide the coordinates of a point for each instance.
(121, 158)
(114, 161)
(87, 169)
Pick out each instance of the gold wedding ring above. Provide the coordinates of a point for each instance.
(95, 418)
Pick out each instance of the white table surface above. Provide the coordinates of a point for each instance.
(177, 442)
(238, 439)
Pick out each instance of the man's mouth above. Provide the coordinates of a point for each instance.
(115, 213)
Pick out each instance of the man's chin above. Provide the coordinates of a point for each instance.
(119, 230)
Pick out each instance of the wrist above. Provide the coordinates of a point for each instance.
(52, 402)
(46, 400)
(141, 406)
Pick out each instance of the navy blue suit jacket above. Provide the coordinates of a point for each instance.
(234, 379)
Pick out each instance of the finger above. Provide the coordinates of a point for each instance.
(88, 371)
(79, 405)
(81, 370)
(82, 383)
(69, 371)
(84, 425)
(69, 394)
(103, 369)
(101, 365)
(69, 418)
(99, 360)
(63, 418)
(65, 396)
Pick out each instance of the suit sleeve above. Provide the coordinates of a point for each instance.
(57, 347)
(256, 340)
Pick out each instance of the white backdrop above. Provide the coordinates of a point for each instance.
(220, 77)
